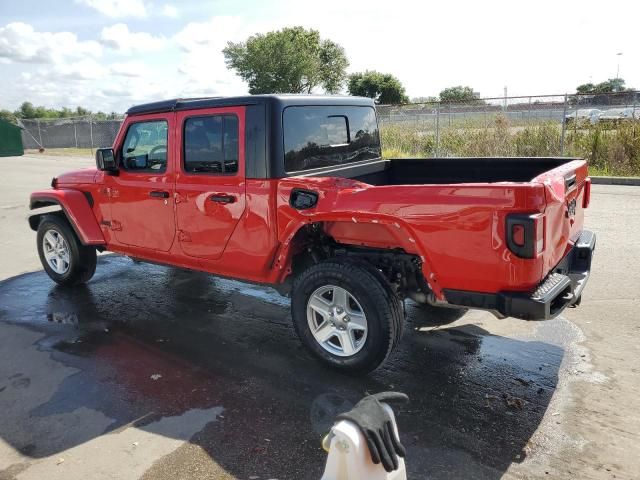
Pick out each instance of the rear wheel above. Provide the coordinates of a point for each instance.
(62, 255)
(346, 314)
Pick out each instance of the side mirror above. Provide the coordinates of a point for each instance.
(106, 160)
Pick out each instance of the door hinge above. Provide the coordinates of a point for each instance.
(183, 236)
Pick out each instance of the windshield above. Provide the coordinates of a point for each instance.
(322, 136)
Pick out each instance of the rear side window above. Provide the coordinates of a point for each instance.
(211, 144)
(319, 136)
(145, 147)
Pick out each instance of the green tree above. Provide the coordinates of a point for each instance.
(7, 116)
(384, 88)
(26, 110)
(458, 94)
(612, 85)
(586, 88)
(291, 60)
(42, 112)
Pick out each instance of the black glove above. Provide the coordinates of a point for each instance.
(376, 427)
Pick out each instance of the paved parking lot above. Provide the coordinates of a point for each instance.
(154, 372)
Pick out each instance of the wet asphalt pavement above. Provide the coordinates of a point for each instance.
(238, 397)
(147, 342)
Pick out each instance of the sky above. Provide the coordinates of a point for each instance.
(110, 54)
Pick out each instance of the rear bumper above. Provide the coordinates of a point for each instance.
(562, 288)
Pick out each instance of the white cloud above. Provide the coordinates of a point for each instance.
(85, 69)
(128, 69)
(117, 92)
(19, 42)
(385, 39)
(169, 11)
(120, 38)
(211, 35)
(68, 73)
(203, 65)
(117, 8)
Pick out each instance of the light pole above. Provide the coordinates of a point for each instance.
(619, 54)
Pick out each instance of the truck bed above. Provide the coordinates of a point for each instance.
(462, 231)
(423, 171)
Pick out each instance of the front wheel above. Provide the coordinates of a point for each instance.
(65, 259)
(346, 314)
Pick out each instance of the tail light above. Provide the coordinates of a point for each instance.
(525, 234)
(586, 193)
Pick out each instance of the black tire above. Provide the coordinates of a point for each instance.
(82, 259)
(435, 316)
(383, 310)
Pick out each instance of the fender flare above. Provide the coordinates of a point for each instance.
(76, 207)
(282, 259)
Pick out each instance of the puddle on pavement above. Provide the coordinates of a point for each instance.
(149, 341)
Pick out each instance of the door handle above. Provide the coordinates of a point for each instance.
(159, 194)
(222, 198)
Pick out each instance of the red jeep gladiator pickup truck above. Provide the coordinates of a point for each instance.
(291, 191)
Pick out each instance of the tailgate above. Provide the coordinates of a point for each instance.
(567, 195)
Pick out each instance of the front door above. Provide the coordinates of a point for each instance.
(210, 179)
(141, 195)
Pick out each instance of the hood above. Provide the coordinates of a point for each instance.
(86, 175)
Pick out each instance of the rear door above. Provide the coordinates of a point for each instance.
(210, 179)
(141, 194)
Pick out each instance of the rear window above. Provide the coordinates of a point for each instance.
(211, 144)
(320, 136)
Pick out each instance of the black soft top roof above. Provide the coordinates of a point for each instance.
(281, 101)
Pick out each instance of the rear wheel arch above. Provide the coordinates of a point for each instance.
(311, 244)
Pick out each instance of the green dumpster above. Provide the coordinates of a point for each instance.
(10, 139)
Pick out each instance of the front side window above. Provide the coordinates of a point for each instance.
(145, 147)
(319, 136)
(211, 144)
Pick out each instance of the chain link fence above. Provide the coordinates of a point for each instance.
(72, 132)
(603, 128)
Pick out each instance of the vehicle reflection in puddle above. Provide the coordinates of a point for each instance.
(150, 341)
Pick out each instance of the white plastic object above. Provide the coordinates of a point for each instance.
(349, 457)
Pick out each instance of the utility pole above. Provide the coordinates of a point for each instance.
(619, 54)
(505, 98)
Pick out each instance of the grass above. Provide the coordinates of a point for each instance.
(609, 151)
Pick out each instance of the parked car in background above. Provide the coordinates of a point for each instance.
(616, 115)
(583, 116)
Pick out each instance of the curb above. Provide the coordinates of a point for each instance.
(616, 181)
